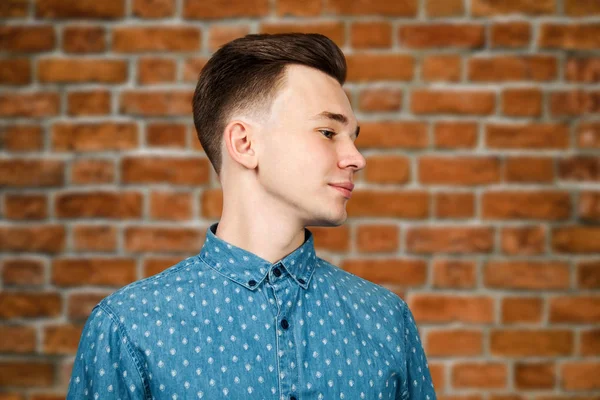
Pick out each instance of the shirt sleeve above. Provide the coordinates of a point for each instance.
(418, 384)
(105, 366)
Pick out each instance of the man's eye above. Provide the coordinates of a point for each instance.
(327, 133)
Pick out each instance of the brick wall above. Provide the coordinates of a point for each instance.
(479, 204)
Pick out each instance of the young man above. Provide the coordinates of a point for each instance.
(256, 314)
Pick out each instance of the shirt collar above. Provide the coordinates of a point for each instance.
(248, 269)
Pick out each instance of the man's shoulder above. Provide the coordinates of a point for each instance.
(130, 293)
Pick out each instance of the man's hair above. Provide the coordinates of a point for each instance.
(245, 75)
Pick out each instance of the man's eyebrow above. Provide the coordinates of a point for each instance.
(341, 118)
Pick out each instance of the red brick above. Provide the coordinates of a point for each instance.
(22, 137)
(380, 99)
(580, 375)
(57, 70)
(84, 39)
(200, 9)
(373, 67)
(166, 135)
(588, 208)
(583, 69)
(481, 8)
(590, 342)
(391, 271)
(512, 68)
(143, 239)
(533, 204)
(173, 170)
(153, 8)
(575, 36)
(522, 309)
(30, 104)
(404, 204)
(469, 36)
(522, 102)
(588, 275)
(8, 9)
(388, 169)
(94, 271)
(444, 8)
(107, 9)
(459, 171)
(192, 68)
(529, 169)
(336, 240)
(155, 265)
(535, 375)
(25, 206)
(156, 70)
(162, 38)
(531, 343)
(80, 304)
(29, 305)
(309, 8)
(523, 240)
(61, 339)
(27, 38)
(530, 275)
(94, 238)
(36, 238)
(576, 239)
(406, 8)
(31, 172)
(510, 34)
(454, 342)
(219, 35)
(455, 134)
(98, 204)
(574, 103)
(26, 374)
(477, 375)
(89, 171)
(17, 339)
(442, 67)
(333, 30)
(444, 101)
(579, 168)
(456, 274)
(454, 205)
(172, 206)
(581, 8)
(377, 238)
(23, 271)
(439, 308)
(371, 34)
(89, 103)
(94, 136)
(530, 136)
(581, 309)
(425, 239)
(156, 103)
(15, 71)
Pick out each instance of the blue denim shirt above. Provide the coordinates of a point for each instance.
(226, 323)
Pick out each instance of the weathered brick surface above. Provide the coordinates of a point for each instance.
(478, 204)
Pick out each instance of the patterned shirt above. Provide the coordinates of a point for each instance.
(227, 323)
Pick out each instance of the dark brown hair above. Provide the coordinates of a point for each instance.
(246, 74)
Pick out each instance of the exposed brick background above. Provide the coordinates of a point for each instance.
(479, 204)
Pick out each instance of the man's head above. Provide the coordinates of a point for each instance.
(261, 106)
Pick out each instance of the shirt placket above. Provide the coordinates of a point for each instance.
(284, 290)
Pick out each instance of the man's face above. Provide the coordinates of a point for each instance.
(298, 161)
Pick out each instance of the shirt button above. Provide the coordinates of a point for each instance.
(301, 280)
(251, 282)
(292, 397)
(284, 324)
(277, 272)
